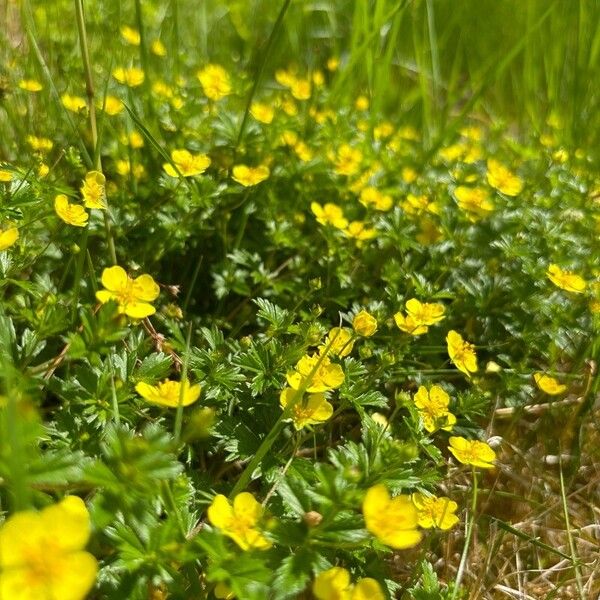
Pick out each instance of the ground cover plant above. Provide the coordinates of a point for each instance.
(299, 300)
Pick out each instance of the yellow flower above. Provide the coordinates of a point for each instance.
(303, 152)
(420, 315)
(301, 89)
(335, 584)
(169, 393)
(426, 313)
(359, 231)
(474, 201)
(461, 353)
(502, 179)
(72, 214)
(392, 521)
(362, 103)
(30, 85)
(348, 159)
(124, 168)
(42, 553)
(548, 384)
(326, 376)
(158, 48)
(566, 280)
(133, 295)
(339, 341)
(285, 77)
(40, 144)
(130, 35)
(249, 176)
(435, 512)
(73, 103)
(415, 205)
(409, 325)
(215, 82)
(364, 323)
(383, 130)
(433, 408)
(8, 237)
(94, 190)
(112, 106)
(329, 214)
(5, 176)
(371, 196)
(333, 63)
(312, 410)
(239, 521)
(409, 175)
(262, 112)
(43, 170)
(132, 76)
(189, 164)
(472, 452)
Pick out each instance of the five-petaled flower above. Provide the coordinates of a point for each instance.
(335, 584)
(42, 553)
(133, 295)
(72, 214)
(239, 521)
(262, 112)
(503, 179)
(329, 214)
(461, 353)
(548, 384)
(73, 103)
(474, 201)
(472, 452)
(433, 408)
(311, 409)
(435, 512)
(187, 163)
(419, 316)
(169, 393)
(215, 82)
(315, 373)
(93, 190)
(132, 76)
(393, 521)
(249, 176)
(566, 280)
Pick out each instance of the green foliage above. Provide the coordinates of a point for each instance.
(361, 209)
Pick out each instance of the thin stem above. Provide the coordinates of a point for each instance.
(89, 88)
(463, 559)
(182, 387)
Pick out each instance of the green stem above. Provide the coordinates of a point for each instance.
(182, 387)
(463, 559)
(89, 87)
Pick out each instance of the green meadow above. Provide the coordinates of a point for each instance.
(299, 299)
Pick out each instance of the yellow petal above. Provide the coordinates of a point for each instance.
(367, 589)
(68, 522)
(145, 288)
(246, 508)
(114, 278)
(139, 310)
(220, 512)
